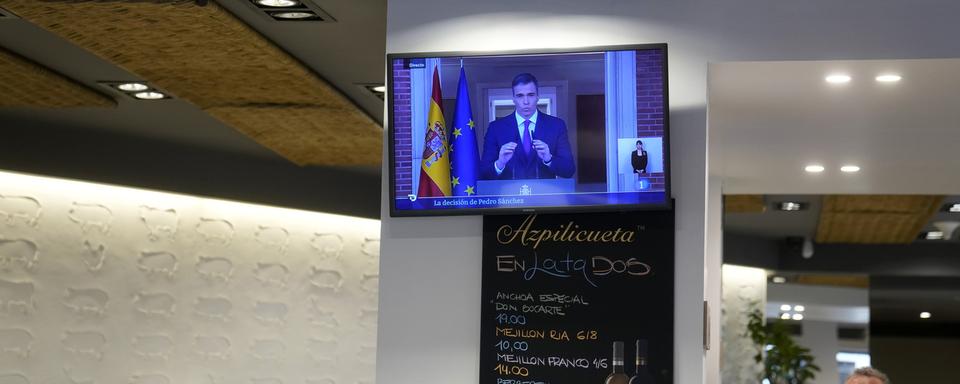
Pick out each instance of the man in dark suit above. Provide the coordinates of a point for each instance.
(526, 144)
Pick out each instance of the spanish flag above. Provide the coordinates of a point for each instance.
(435, 167)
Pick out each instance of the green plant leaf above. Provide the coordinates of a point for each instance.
(786, 362)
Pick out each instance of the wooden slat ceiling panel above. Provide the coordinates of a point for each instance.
(852, 281)
(874, 219)
(205, 55)
(283, 130)
(25, 84)
(744, 204)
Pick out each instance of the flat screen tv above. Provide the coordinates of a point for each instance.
(533, 131)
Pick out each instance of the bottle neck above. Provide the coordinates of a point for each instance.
(617, 366)
(641, 363)
(618, 357)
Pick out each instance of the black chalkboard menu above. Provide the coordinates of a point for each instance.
(578, 299)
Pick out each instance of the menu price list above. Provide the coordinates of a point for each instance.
(556, 311)
(521, 347)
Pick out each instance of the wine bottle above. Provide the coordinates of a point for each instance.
(642, 375)
(617, 376)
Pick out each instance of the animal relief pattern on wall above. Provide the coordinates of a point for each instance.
(103, 285)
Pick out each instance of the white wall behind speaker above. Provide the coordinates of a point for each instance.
(103, 284)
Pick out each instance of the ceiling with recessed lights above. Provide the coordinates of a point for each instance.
(902, 135)
(206, 56)
(819, 302)
(858, 251)
(193, 144)
(842, 219)
(874, 219)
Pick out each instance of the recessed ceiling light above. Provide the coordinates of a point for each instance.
(294, 15)
(934, 235)
(278, 3)
(149, 95)
(377, 90)
(838, 79)
(888, 78)
(785, 316)
(786, 307)
(791, 206)
(850, 168)
(797, 316)
(292, 10)
(132, 87)
(925, 315)
(799, 308)
(779, 279)
(814, 168)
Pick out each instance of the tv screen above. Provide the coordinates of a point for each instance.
(544, 131)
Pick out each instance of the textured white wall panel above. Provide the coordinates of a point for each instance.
(744, 289)
(102, 284)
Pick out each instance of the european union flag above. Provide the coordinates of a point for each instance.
(463, 144)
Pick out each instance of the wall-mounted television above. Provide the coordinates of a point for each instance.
(533, 131)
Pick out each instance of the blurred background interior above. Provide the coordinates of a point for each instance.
(859, 280)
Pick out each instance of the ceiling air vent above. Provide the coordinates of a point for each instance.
(292, 10)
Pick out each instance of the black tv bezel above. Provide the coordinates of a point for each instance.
(391, 142)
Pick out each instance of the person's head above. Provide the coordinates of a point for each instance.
(639, 145)
(867, 375)
(525, 94)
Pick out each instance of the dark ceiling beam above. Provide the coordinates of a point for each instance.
(918, 283)
(751, 251)
(82, 154)
(914, 329)
(921, 259)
